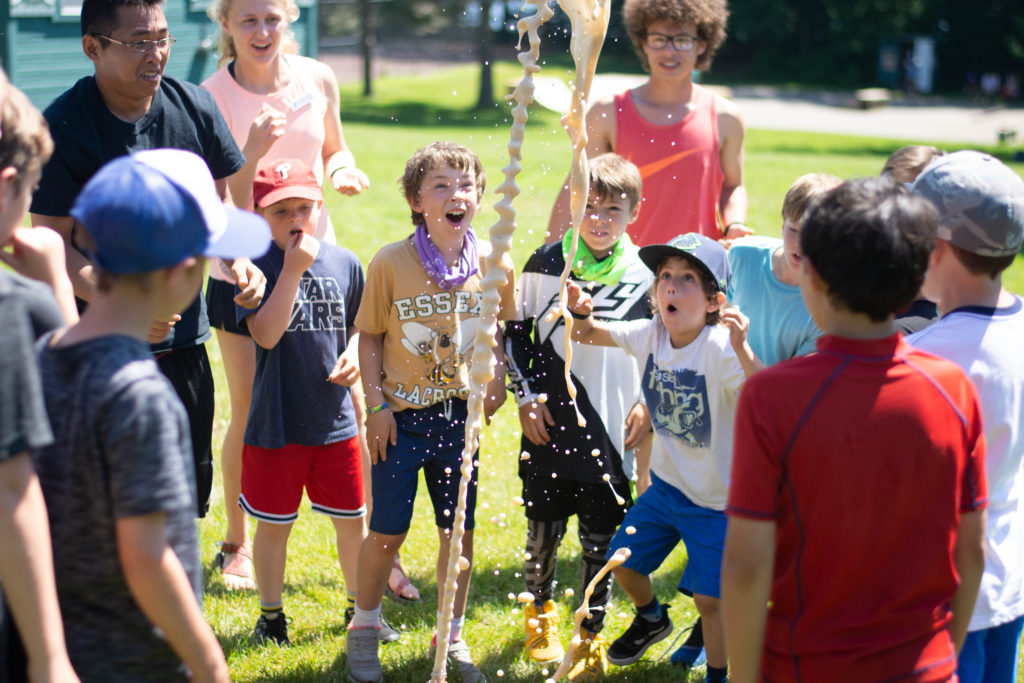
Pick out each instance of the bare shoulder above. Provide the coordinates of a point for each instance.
(601, 124)
(730, 117)
(320, 71)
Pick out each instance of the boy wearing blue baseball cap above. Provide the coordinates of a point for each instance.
(694, 357)
(118, 479)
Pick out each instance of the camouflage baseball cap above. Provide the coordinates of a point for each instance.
(980, 202)
(704, 252)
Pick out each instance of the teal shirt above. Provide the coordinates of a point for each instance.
(780, 326)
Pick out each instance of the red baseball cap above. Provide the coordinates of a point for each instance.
(284, 179)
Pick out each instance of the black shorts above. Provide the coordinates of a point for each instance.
(548, 499)
(13, 660)
(220, 307)
(190, 373)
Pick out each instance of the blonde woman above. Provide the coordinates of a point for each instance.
(277, 104)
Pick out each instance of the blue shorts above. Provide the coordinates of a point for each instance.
(430, 441)
(990, 655)
(663, 516)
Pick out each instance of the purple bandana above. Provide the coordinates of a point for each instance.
(437, 268)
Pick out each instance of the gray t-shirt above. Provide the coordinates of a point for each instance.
(121, 449)
(27, 310)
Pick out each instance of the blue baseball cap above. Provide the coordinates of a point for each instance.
(700, 250)
(155, 208)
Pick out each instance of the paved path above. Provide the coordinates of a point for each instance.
(763, 107)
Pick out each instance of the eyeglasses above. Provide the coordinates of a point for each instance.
(658, 41)
(141, 46)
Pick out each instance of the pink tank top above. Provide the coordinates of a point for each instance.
(304, 105)
(680, 167)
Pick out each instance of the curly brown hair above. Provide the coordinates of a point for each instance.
(707, 16)
(707, 282)
(432, 156)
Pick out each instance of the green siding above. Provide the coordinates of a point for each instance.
(43, 56)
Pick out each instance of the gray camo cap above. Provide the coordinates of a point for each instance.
(980, 202)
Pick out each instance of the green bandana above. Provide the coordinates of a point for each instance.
(607, 271)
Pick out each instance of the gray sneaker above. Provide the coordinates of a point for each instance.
(362, 664)
(459, 656)
(387, 633)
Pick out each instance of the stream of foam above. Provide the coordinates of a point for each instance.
(498, 271)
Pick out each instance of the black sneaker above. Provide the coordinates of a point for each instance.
(641, 634)
(275, 630)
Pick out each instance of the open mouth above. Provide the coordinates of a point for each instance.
(455, 216)
(296, 231)
(671, 308)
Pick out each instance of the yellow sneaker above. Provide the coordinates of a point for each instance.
(589, 662)
(542, 633)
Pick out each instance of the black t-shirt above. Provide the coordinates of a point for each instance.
(920, 315)
(87, 135)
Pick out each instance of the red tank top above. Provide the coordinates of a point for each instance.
(680, 167)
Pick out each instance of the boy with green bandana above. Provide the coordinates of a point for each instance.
(567, 469)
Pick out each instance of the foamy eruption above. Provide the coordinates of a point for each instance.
(620, 556)
(589, 21)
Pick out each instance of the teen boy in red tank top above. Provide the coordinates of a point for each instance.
(687, 141)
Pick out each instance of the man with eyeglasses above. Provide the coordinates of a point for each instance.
(686, 140)
(128, 105)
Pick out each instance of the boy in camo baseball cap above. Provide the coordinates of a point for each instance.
(981, 226)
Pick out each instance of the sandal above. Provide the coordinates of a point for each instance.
(237, 572)
(401, 589)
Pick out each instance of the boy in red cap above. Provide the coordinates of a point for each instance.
(302, 431)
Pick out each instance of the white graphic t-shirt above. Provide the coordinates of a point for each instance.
(691, 393)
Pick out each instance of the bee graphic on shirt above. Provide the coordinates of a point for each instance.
(442, 350)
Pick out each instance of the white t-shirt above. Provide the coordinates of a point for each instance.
(691, 393)
(987, 344)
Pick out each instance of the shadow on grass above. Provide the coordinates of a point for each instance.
(419, 113)
(828, 144)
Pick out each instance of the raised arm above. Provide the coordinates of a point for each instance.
(586, 330)
(600, 139)
(264, 131)
(80, 270)
(738, 325)
(269, 323)
(339, 163)
(39, 254)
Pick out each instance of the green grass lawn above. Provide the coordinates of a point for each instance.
(405, 114)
